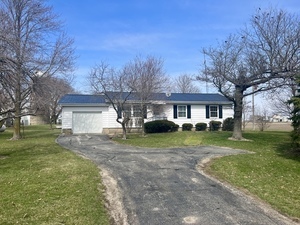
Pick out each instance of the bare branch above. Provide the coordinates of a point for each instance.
(32, 45)
(184, 83)
(264, 55)
(113, 84)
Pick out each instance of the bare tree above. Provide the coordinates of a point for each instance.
(33, 45)
(279, 98)
(113, 84)
(263, 55)
(46, 95)
(6, 108)
(262, 119)
(60, 87)
(185, 83)
(146, 77)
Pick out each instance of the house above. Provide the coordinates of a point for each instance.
(95, 114)
(279, 118)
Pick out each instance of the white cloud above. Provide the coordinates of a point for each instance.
(129, 41)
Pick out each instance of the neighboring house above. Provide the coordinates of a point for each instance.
(279, 118)
(94, 113)
(39, 119)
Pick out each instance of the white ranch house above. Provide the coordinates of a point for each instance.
(94, 114)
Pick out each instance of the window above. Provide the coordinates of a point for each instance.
(213, 111)
(181, 111)
(157, 110)
(136, 111)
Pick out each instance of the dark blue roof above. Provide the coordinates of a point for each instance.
(82, 99)
(173, 98)
(187, 97)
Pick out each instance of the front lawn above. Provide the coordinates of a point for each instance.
(272, 174)
(42, 183)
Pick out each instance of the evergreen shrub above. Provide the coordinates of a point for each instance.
(187, 127)
(214, 125)
(160, 126)
(228, 124)
(201, 126)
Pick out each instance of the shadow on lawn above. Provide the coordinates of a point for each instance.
(286, 150)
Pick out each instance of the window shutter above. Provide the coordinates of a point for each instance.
(189, 111)
(175, 111)
(207, 111)
(220, 111)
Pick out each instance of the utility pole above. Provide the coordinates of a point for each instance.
(253, 110)
(205, 74)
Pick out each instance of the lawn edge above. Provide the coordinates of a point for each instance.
(203, 167)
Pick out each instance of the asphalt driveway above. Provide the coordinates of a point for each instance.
(164, 186)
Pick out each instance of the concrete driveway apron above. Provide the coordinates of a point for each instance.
(164, 187)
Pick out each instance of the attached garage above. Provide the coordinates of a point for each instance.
(84, 114)
(87, 122)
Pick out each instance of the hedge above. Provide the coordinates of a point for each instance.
(160, 126)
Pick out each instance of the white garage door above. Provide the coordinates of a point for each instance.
(87, 122)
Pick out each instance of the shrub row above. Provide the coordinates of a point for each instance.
(213, 126)
(160, 126)
(227, 125)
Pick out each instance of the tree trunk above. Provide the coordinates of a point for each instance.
(143, 126)
(17, 129)
(143, 105)
(17, 119)
(123, 124)
(124, 131)
(238, 113)
(51, 125)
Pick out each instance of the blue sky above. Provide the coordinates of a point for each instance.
(116, 31)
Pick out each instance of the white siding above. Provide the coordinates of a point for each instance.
(66, 119)
(227, 111)
(109, 119)
(109, 116)
(198, 115)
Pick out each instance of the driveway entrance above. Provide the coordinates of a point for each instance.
(164, 187)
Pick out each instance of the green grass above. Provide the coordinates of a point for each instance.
(164, 140)
(42, 183)
(272, 174)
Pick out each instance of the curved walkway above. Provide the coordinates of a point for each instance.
(163, 186)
